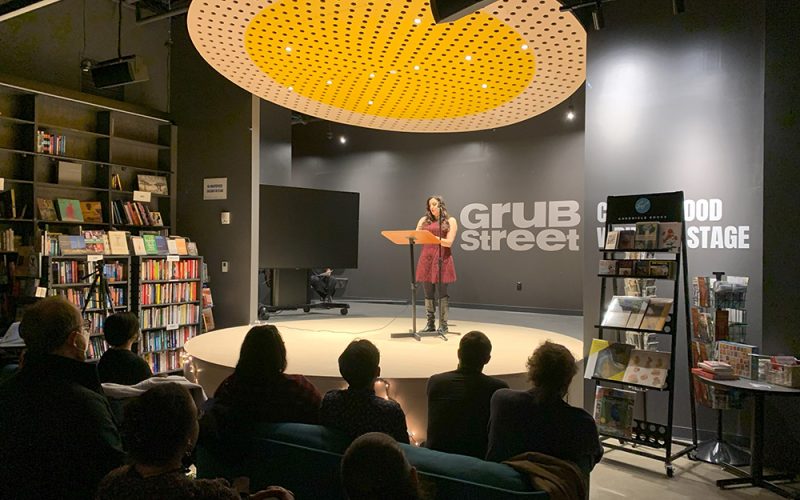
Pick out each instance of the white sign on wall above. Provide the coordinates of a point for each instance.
(215, 188)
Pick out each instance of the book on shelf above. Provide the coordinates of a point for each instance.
(620, 309)
(150, 246)
(649, 368)
(712, 366)
(613, 411)
(172, 246)
(738, 356)
(92, 211)
(138, 246)
(701, 286)
(646, 235)
(157, 219)
(180, 245)
(162, 247)
(116, 182)
(641, 267)
(625, 267)
(69, 174)
(208, 320)
(611, 240)
(639, 308)
(94, 242)
(153, 184)
(700, 352)
(721, 324)
(607, 267)
(607, 359)
(208, 301)
(191, 248)
(700, 372)
(70, 244)
(669, 235)
(645, 341)
(8, 204)
(118, 243)
(69, 210)
(47, 210)
(662, 268)
(626, 239)
(701, 324)
(655, 318)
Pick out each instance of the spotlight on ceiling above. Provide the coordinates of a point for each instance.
(342, 139)
(120, 71)
(598, 20)
(678, 7)
(447, 11)
(13, 8)
(570, 113)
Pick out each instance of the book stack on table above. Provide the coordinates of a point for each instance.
(715, 370)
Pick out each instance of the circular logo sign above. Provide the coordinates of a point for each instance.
(642, 205)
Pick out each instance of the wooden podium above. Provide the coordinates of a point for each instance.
(411, 238)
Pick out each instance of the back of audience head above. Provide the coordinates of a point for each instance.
(54, 326)
(160, 426)
(551, 368)
(474, 350)
(121, 329)
(263, 354)
(359, 364)
(374, 467)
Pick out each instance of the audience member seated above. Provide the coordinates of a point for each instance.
(539, 420)
(374, 467)
(119, 365)
(357, 410)
(57, 435)
(323, 282)
(458, 401)
(159, 429)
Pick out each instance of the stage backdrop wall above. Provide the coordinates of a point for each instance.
(676, 103)
(515, 192)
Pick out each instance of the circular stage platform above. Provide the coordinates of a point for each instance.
(313, 346)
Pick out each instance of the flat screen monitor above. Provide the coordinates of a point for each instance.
(307, 228)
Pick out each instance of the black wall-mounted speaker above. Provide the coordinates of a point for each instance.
(447, 11)
(123, 71)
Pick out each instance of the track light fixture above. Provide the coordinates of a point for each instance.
(597, 16)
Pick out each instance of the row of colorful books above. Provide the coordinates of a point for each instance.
(730, 293)
(69, 210)
(622, 362)
(646, 313)
(9, 242)
(80, 272)
(168, 292)
(134, 213)
(160, 340)
(98, 242)
(646, 236)
(160, 270)
(51, 144)
(157, 317)
(643, 268)
(164, 361)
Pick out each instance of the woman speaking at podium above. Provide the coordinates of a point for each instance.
(437, 221)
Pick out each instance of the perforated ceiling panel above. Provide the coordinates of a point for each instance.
(386, 65)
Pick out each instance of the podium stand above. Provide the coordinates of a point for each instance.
(411, 238)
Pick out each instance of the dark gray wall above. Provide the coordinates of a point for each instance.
(781, 177)
(214, 119)
(46, 45)
(676, 103)
(276, 144)
(535, 161)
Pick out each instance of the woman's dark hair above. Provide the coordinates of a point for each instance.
(374, 466)
(430, 219)
(157, 426)
(359, 362)
(263, 354)
(551, 368)
(120, 328)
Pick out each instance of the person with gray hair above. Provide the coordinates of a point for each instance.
(58, 437)
(458, 401)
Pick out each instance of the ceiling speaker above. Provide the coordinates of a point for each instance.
(447, 11)
(116, 72)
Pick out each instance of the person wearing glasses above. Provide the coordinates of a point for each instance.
(57, 434)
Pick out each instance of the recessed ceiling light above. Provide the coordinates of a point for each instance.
(483, 86)
(524, 47)
(417, 21)
(416, 68)
(342, 139)
(393, 72)
(288, 49)
(570, 113)
(329, 82)
(291, 89)
(372, 75)
(370, 103)
(468, 58)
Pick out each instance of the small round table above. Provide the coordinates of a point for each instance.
(755, 477)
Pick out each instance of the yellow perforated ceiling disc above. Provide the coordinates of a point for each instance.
(386, 65)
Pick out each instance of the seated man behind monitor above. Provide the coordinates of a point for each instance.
(357, 410)
(539, 420)
(323, 282)
(57, 435)
(458, 401)
(119, 364)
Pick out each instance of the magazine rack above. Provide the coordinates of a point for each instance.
(649, 438)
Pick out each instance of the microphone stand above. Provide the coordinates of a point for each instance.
(439, 283)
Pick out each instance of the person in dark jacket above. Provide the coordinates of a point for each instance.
(458, 401)
(58, 437)
(119, 364)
